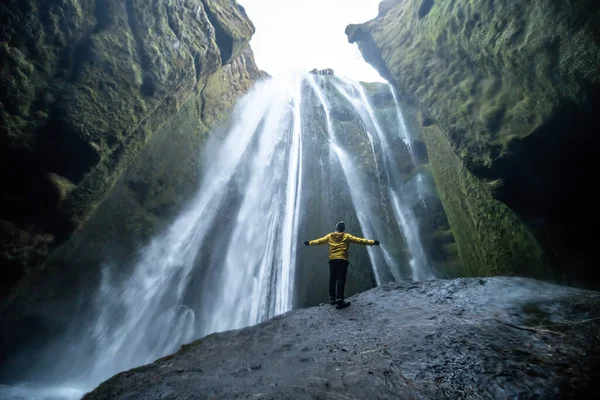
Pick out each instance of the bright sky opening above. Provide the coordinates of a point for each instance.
(307, 34)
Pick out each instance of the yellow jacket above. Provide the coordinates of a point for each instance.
(339, 243)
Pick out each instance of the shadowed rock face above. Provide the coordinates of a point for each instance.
(152, 173)
(512, 88)
(84, 86)
(466, 338)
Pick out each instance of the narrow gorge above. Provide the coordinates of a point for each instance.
(159, 187)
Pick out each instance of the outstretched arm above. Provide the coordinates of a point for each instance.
(323, 240)
(357, 240)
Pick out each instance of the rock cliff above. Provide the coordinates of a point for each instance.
(508, 91)
(87, 88)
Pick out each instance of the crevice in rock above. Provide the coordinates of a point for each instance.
(171, 23)
(197, 66)
(223, 39)
(203, 102)
(131, 21)
(81, 55)
(104, 15)
(74, 57)
(176, 32)
(425, 8)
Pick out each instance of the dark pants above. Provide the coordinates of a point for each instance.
(337, 272)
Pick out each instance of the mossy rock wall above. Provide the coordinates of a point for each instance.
(491, 239)
(492, 71)
(84, 86)
(514, 86)
(166, 173)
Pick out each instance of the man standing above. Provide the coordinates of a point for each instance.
(338, 242)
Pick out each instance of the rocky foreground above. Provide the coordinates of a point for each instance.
(446, 339)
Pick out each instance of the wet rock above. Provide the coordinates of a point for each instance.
(327, 71)
(442, 339)
(342, 114)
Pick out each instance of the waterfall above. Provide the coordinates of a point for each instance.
(230, 259)
(405, 135)
(250, 281)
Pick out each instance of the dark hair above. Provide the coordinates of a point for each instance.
(341, 226)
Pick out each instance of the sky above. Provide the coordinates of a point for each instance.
(307, 34)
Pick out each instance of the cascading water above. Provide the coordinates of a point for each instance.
(405, 135)
(401, 199)
(358, 193)
(229, 260)
(402, 129)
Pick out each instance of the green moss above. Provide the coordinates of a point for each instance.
(62, 186)
(467, 86)
(224, 87)
(492, 116)
(17, 93)
(467, 107)
(510, 63)
(232, 27)
(490, 238)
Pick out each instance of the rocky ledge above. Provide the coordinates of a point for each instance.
(442, 339)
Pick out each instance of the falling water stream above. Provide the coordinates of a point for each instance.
(401, 200)
(229, 259)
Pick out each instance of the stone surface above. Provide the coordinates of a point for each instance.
(514, 87)
(441, 339)
(85, 85)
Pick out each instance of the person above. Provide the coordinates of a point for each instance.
(339, 242)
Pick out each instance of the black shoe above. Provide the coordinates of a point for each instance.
(332, 302)
(342, 304)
